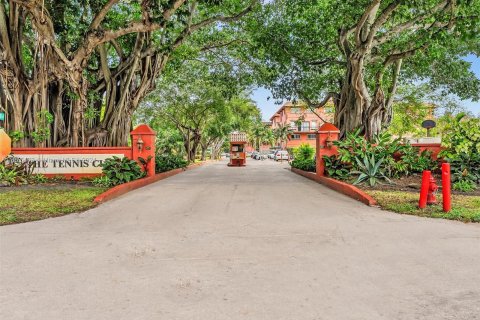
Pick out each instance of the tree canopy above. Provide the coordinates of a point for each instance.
(358, 52)
(88, 64)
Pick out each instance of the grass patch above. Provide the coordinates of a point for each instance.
(29, 205)
(464, 208)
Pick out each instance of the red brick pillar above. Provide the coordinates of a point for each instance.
(327, 134)
(143, 146)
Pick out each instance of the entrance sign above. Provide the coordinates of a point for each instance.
(52, 164)
(86, 162)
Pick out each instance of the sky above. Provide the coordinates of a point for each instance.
(266, 103)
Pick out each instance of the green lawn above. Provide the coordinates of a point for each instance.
(20, 205)
(464, 208)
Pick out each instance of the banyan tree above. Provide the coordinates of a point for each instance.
(73, 72)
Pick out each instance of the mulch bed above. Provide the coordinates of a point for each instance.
(412, 184)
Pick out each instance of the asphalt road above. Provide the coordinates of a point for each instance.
(239, 243)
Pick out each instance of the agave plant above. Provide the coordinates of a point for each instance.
(370, 170)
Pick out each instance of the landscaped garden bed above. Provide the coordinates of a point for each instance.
(390, 171)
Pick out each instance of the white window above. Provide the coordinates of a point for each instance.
(311, 136)
(295, 137)
(314, 125)
(305, 126)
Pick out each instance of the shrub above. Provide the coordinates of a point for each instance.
(304, 164)
(121, 170)
(39, 178)
(335, 168)
(304, 152)
(461, 142)
(12, 173)
(465, 186)
(103, 182)
(397, 158)
(167, 162)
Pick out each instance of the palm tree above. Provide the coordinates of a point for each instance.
(282, 134)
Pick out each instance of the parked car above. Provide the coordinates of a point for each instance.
(271, 154)
(281, 155)
(254, 154)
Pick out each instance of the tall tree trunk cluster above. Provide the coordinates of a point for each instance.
(58, 94)
(368, 106)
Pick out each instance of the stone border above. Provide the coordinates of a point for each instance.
(339, 186)
(122, 189)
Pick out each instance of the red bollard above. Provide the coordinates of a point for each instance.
(446, 191)
(422, 203)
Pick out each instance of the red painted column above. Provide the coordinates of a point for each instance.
(327, 134)
(446, 191)
(143, 146)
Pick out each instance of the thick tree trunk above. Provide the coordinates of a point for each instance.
(204, 153)
(356, 108)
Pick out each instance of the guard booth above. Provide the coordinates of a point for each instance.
(238, 158)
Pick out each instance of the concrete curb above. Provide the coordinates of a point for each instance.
(122, 189)
(339, 186)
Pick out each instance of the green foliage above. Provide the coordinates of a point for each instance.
(121, 170)
(336, 169)
(461, 141)
(167, 162)
(464, 208)
(22, 205)
(16, 135)
(42, 134)
(304, 164)
(39, 179)
(304, 152)
(282, 134)
(102, 182)
(461, 137)
(370, 170)
(299, 48)
(464, 186)
(396, 158)
(12, 173)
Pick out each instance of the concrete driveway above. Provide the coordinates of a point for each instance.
(239, 243)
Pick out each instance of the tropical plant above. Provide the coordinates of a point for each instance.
(304, 152)
(370, 170)
(335, 168)
(121, 170)
(39, 178)
(13, 173)
(461, 142)
(102, 181)
(167, 162)
(282, 134)
(304, 164)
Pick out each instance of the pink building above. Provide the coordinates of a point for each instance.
(302, 121)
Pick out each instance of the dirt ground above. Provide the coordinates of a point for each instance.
(412, 184)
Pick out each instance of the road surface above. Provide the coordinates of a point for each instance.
(239, 243)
